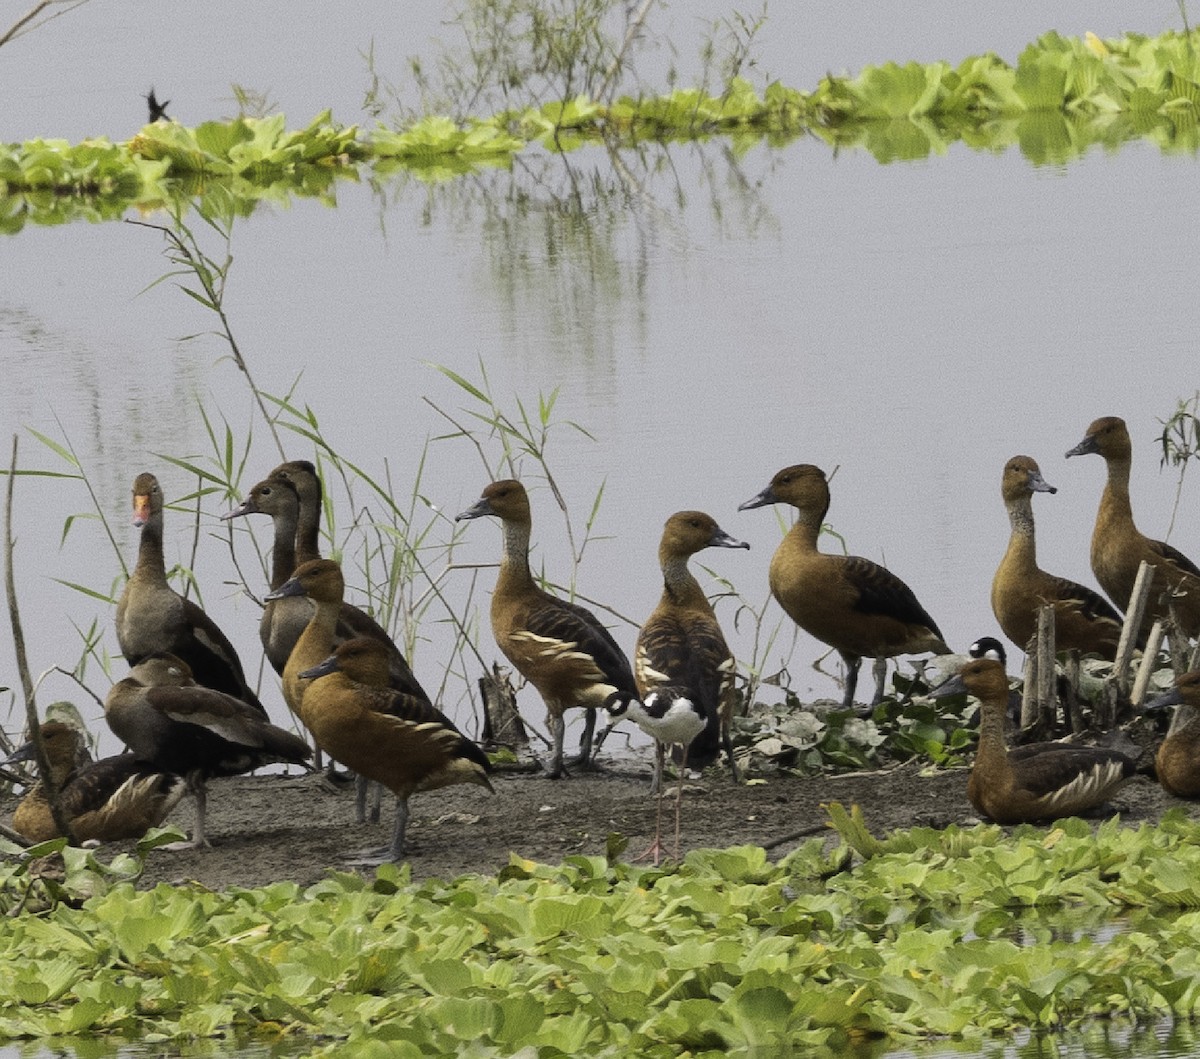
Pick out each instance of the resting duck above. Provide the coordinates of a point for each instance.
(681, 644)
(152, 618)
(395, 739)
(1118, 549)
(859, 608)
(670, 716)
(1039, 781)
(559, 647)
(169, 721)
(1083, 620)
(104, 801)
(1177, 762)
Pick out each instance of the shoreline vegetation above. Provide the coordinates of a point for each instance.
(1063, 96)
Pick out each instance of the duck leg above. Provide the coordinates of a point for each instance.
(727, 744)
(853, 662)
(879, 667)
(362, 788)
(372, 858)
(557, 726)
(199, 840)
(585, 741)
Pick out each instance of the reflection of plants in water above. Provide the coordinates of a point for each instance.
(522, 53)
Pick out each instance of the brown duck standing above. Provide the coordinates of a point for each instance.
(104, 801)
(291, 495)
(1118, 548)
(1039, 781)
(152, 618)
(559, 647)
(169, 721)
(1083, 620)
(859, 608)
(1177, 763)
(398, 740)
(681, 644)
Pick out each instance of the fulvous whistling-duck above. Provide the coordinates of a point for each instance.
(859, 608)
(559, 647)
(104, 801)
(283, 620)
(152, 618)
(169, 721)
(398, 740)
(1118, 548)
(291, 495)
(681, 644)
(1177, 763)
(670, 716)
(1083, 620)
(1039, 781)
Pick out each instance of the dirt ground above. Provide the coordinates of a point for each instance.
(294, 827)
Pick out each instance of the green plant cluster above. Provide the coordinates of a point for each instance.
(955, 932)
(1063, 96)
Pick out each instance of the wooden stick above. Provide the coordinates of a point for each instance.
(1047, 700)
(1146, 669)
(1029, 703)
(1133, 621)
(27, 686)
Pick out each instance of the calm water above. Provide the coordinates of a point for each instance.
(707, 318)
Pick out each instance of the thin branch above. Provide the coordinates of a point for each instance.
(22, 24)
(27, 685)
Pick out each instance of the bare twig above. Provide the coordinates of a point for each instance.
(27, 685)
(22, 24)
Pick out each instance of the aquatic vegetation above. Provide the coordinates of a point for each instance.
(963, 933)
(1063, 96)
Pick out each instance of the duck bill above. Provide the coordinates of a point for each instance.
(1039, 484)
(246, 507)
(22, 753)
(291, 587)
(1084, 448)
(1163, 701)
(321, 669)
(478, 509)
(954, 685)
(141, 509)
(721, 539)
(767, 496)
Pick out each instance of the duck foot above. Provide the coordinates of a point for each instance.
(373, 858)
(199, 842)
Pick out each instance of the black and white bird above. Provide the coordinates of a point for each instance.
(671, 718)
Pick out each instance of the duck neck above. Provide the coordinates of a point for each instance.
(679, 585)
(151, 566)
(992, 753)
(514, 563)
(283, 550)
(308, 533)
(807, 528)
(1114, 504)
(1022, 544)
